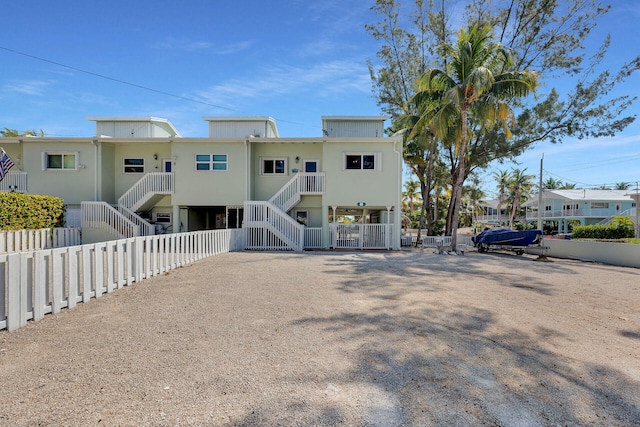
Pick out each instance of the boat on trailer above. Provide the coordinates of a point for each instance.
(502, 238)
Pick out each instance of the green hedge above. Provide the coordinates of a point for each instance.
(30, 211)
(620, 231)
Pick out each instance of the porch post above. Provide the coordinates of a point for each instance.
(175, 218)
(332, 243)
(388, 228)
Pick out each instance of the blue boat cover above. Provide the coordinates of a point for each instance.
(502, 236)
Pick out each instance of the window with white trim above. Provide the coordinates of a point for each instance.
(211, 162)
(274, 166)
(599, 205)
(133, 165)
(60, 161)
(362, 161)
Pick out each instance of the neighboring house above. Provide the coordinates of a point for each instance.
(494, 216)
(139, 176)
(585, 206)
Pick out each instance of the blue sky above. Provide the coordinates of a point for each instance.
(293, 60)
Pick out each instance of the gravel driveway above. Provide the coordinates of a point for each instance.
(339, 338)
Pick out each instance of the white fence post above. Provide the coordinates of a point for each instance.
(15, 317)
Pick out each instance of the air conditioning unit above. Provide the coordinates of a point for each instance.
(162, 217)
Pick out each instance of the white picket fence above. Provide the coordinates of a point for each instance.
(34, 240)
(33, 284)
(361, 236)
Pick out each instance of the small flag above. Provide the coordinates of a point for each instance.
(5, 164)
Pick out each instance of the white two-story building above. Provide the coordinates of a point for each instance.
(139, 176)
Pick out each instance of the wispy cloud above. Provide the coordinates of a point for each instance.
(28, 87)
(321, 80)
(186, 45)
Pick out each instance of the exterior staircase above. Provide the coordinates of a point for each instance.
(122, 221)
(629, 213)
(268, 225)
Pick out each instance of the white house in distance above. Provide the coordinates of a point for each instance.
(139, 176)
(585, 206)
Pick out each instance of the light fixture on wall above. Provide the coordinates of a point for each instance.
(155, 156)
(297, 159)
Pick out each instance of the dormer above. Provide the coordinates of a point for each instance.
(242, 127)
(353, 126)
(134, 127)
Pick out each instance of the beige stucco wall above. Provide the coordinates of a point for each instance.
(313, 206)
(107, 183)
(349, 187)
(265, 186)
(136, 149)
(73, 186)
(209, 188)
(14, 150)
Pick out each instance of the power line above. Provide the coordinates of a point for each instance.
(611, 161)
(124, 82)
(102, 76)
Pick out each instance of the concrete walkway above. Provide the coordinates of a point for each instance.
(323, 338)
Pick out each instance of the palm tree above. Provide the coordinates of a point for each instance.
(474, 88)
(567, 186)
(622, 185)
(473, 195)
(411, 193)
(520, 188)
(552, 184)
(6, 132)
(502, 178)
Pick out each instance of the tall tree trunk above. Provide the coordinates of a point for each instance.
(423, 187)
(426, 198)
(449, 223)
(459, 182)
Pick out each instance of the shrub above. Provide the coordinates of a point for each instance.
(608, 232)
(30, 211)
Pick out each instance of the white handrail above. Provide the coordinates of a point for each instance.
(301, 183)
(145, 228)
(102, 215)
(279, 226)
(149, 185)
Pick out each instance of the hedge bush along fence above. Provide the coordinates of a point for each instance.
(606, 232)
(30, 211)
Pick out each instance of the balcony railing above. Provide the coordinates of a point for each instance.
(566, 213)
(149, 185)
(14, 181)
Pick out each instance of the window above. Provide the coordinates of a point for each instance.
(163, 217)
(599, 205)
(301, 217)
(133, 165)
(59, 161)
(211, 162)
(274, 166)
(364, 161)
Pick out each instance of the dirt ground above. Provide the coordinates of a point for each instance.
(405, 338)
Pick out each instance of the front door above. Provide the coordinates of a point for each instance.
(310, 166)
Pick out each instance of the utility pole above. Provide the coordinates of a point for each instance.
(637, 199)
(540, 196)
